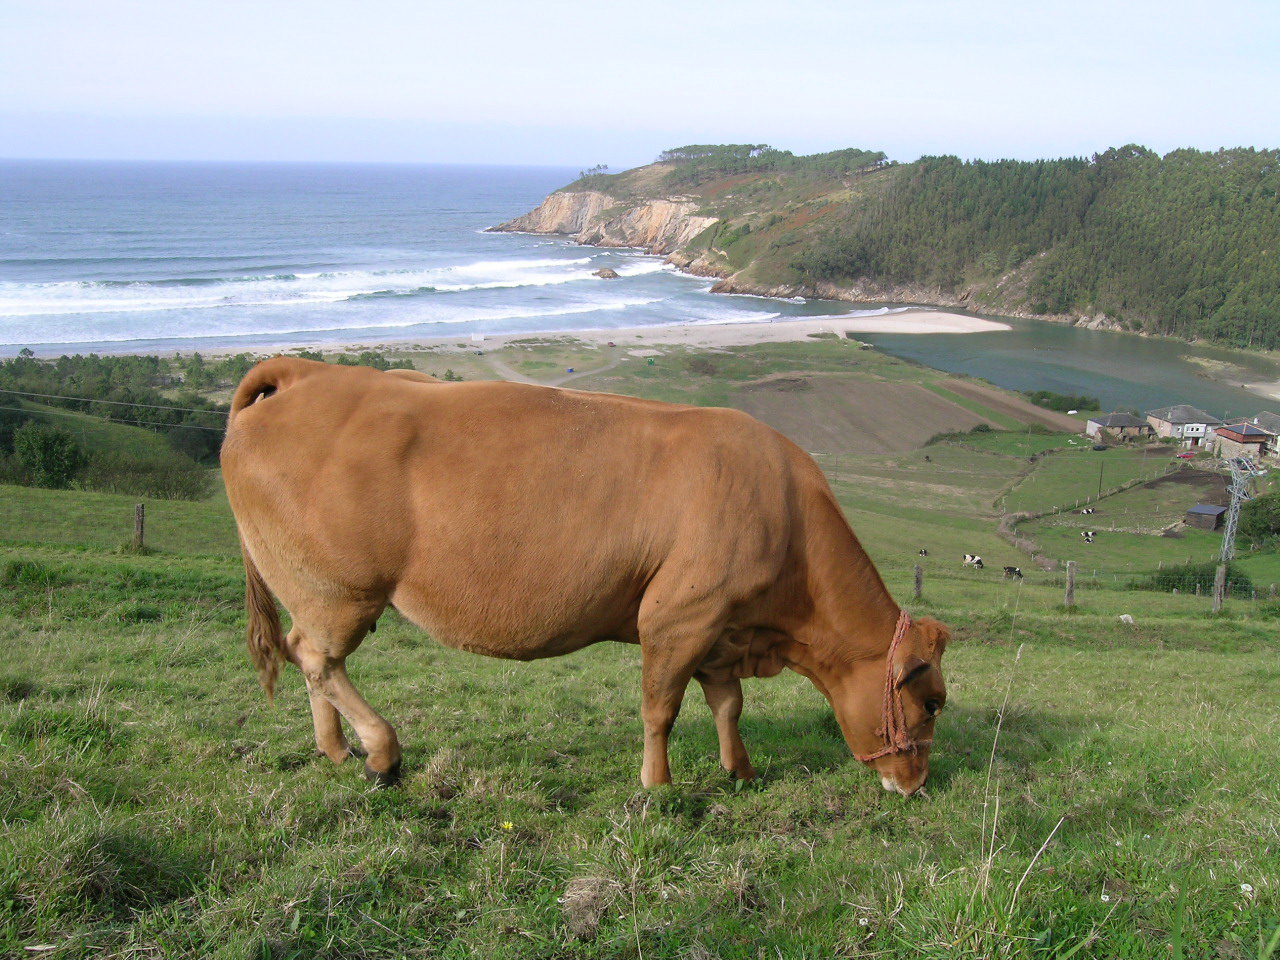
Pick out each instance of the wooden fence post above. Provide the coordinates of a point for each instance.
(139, 526)
(1219, 587)
(1070, 600)
(919, 581)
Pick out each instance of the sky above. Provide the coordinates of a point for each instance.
(553, 82)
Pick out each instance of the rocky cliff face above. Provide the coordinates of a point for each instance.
(659, 226)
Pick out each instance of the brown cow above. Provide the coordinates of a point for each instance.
(523, 522)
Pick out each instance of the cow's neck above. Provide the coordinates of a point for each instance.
(853, 614)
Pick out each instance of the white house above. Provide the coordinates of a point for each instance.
(1184, 422)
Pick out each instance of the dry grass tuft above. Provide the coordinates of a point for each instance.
(585, 901)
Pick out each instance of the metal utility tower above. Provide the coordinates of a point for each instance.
(1242, 471)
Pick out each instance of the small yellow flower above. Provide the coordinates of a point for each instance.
(508, 825)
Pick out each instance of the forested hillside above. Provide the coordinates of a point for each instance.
(1186, 244)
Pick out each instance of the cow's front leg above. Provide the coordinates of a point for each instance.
(725, 701)
(667, 667)
(661, 705)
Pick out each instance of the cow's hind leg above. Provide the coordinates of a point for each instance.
(330, 740)
(725, 701)
(321, 655)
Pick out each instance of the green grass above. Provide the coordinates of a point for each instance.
(1001, 420)
(1071, 477)
(97, 434)
(105, 520)
(1019, 443)
(153, 805)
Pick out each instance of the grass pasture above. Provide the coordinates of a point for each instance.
(1100, 788)
(154, 805)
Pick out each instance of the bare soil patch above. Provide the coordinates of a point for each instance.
(1019, 409)
(843, 416)
(1208, 487)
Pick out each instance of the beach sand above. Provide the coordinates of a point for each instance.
(779, 331)
(703, 335)
(1270, 390)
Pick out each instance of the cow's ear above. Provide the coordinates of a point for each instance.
(922, 647)
(934, 635)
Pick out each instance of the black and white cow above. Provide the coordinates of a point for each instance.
(973, 560)
(923, 552)
(1088, 535)
(1013, 572)
(1088, 510)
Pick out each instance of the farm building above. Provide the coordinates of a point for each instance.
(1240, 440)
(1182, 421)
(1268, 424)
(1122, 426)
(1206, 516)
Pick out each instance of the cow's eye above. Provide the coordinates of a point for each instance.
(933, 707)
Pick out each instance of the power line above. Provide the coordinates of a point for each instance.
(117, 403)
(139, 423)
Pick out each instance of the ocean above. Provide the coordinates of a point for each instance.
(111, 257)
(140, 257)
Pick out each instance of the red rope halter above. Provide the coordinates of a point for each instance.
(894, 730)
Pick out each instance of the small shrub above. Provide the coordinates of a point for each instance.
(140, 613)
(28, 573)
(170, 476)
(1189, 576)
(50, 456)
(702, 366)
(1062, 401)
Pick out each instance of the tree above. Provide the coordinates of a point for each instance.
(49, 455)
(1260, 519)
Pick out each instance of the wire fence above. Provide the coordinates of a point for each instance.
(1194, 580)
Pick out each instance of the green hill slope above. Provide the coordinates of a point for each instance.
(1183, 244)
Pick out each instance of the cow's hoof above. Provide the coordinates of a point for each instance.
(343, 756)
(381, 780)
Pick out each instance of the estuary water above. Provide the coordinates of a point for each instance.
(113, 257)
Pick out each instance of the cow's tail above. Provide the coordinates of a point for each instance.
(268, 377)
(265, 635)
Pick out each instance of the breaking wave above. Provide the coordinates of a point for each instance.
(294, 288)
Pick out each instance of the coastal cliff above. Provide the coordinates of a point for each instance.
(676, 227)
(658, 226)
(1121, 241)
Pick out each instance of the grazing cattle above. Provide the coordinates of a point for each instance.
(1088, 510)
(1013, 572)
(923, 552)
(523, 522)
(972, 560)
(1088, 535)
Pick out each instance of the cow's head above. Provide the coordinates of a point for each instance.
(862, 691)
